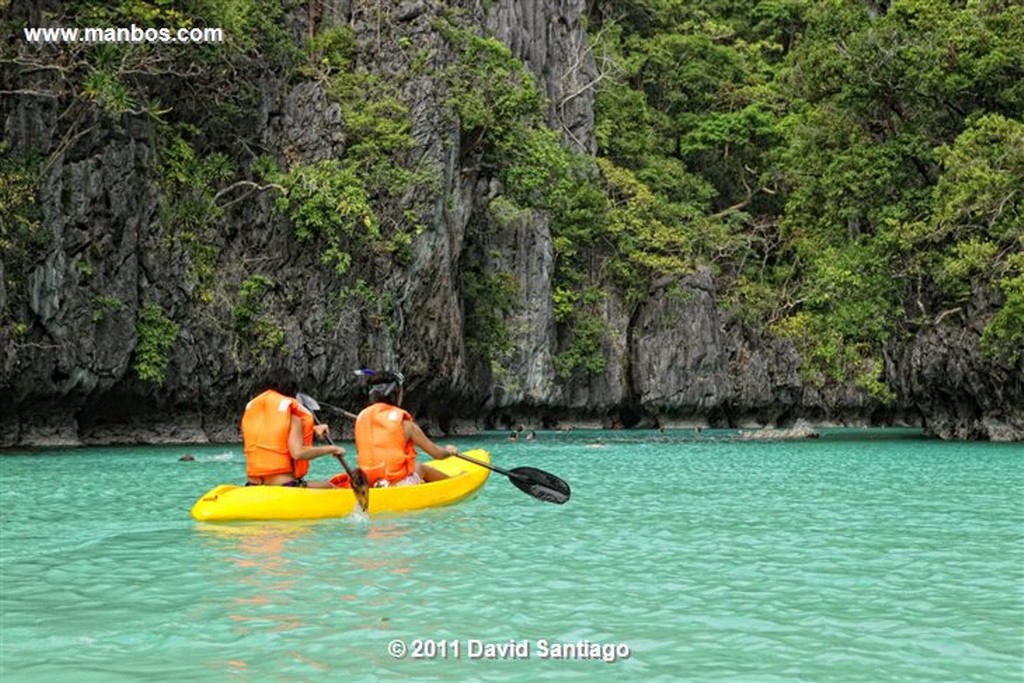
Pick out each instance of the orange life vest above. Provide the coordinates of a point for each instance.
(383, 450)
(265, 426)
(308, 422)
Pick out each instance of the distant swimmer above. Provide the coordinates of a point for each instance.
(188, 457)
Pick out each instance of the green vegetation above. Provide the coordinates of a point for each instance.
(188, 212)
(23, 239)
(376, 307)
(103, 304)
(490, 297)
(256, 330)
(328, 201)
(156, 334)
(975, 235)
(198, 103)
(850, 172)
(354, 205)
(604, 223)
(247, 308)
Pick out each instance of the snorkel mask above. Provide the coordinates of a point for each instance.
(382, 385)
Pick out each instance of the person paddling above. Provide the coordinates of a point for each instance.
(387, 436)
(277, 433)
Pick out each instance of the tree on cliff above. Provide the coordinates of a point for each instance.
(849, 172)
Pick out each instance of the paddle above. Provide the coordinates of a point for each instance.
(360, 486)
(537, 483)
(339, 411)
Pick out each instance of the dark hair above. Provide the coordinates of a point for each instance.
(384, 387)
(282, 381)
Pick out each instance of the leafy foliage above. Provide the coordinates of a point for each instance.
(103, 304)
(188, 211)
(156, 334)
(23, 238)
(255, 328)
(489, 297)
(355, 204)
(848, 169)
(975, 235)
(492, 93)
(1004, 335)
(607, 226)
(328, 200)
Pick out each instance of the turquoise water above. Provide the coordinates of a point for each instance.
(861, 556)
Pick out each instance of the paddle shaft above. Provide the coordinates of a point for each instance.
(340, 411)
(493, 468)
(341, 458)
(537, 483)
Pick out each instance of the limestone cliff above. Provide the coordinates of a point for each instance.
(71, 335)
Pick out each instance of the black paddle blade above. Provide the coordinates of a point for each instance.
(540, 484)
(361, 488)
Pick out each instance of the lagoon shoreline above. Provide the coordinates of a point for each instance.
(194, 429)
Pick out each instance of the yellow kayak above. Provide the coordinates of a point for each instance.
(229, 503)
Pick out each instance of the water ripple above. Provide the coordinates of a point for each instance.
(712, 560)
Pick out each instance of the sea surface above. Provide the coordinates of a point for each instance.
(865, 555)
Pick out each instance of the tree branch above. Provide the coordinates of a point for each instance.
(253, 189)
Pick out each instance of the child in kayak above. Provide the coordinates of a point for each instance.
(387, 436)
(277, 433)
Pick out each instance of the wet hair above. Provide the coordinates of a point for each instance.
(384, 387)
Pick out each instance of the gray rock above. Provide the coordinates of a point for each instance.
(67, 369)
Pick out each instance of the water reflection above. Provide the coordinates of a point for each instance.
(265, 577)
(271, 572)
(261, 540)
(261, 546)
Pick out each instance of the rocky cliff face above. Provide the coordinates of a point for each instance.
(961, 392)
(68, 367)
